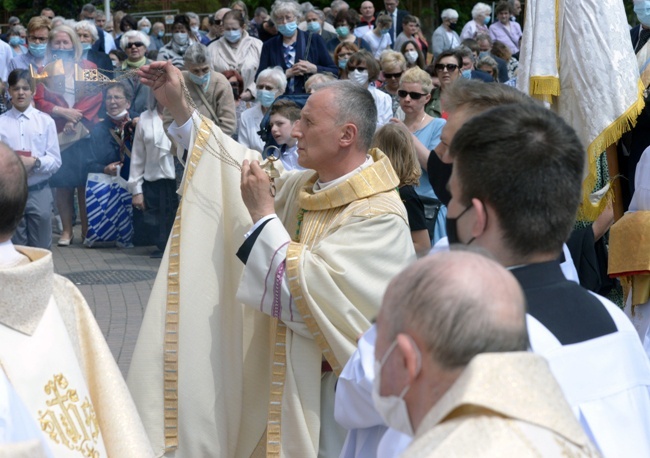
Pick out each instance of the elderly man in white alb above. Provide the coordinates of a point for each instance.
(318, 248)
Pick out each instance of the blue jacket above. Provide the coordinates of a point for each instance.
(273, 55)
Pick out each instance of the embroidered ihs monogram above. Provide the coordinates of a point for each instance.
(69, 421)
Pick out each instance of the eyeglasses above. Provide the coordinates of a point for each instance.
(114, 98)
(284, 19)
(393, 75)
(352, 68)
(413, 95)
(450, 67)
(214, 21)
(134, 44)
(33, 39)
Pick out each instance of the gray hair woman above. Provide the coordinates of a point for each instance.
(237, 50)
(271, 83)
(135, 44)
(210, 91)
(17, 38)
(88, 35)
(480, 20)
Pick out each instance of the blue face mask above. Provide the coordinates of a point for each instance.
(486, 21)
(65, 54)
(265, 97)
(145, 30)
(86, 46)
(181, 38)
(233, 36)
(385, 31)
(202, 81)
(483, 54)
(37, 49)
(642, 10)
(288, 29)
(343, 31)
(343, 63)
(313, 26)
(161, 33)
(467, 74)
(16, 41)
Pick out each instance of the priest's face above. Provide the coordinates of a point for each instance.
(317, 131)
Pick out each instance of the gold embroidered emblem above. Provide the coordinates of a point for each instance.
(69, 421)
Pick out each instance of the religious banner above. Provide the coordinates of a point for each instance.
(576, 56)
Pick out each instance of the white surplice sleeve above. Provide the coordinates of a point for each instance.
(264, 285)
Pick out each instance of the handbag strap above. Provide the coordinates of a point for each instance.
(123, 149)
(205, 102)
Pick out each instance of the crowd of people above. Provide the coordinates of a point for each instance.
(235, 67)
(290, 168)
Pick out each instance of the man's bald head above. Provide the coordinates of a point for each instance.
(13, 191)
(459, 304)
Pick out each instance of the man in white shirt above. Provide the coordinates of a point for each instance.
(32, 134)
(367, 19)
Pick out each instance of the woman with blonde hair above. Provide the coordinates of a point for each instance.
(397, 143)
(488, 65)
(414, 92)
(75, 113)
(393, 66)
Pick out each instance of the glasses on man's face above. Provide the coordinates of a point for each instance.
(413, 95)
(114, 98)
(389, 76)
(284, 19)
(449, 67)
(134, 44)
(352, 68)
(33, 39)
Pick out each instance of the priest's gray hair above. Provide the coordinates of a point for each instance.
(195, 55)
(459, 304)
(355, 105)
(138, 35)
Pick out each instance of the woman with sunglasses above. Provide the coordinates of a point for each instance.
(363, 69)
(447, 67)
(393, 66)
(135, 43)
(414, 92)
(237, 50)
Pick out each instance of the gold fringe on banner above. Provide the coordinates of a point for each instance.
(589, 211)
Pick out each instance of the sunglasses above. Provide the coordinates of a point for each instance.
(352, 68)
(413, 95)
(214, 21)
(393, 75)
(135, 44)
(450, 67)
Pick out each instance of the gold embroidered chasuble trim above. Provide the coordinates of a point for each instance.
(369, 193)
(172, 311)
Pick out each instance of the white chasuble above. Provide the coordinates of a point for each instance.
(246, 380)
(57, 360)
(321, 270)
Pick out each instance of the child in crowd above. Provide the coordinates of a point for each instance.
(32, 135)
(397, 143)
(284, 114)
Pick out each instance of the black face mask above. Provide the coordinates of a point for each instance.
(235, 92)
(453, 25)
(452, 228)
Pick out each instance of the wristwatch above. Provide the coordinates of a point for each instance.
(37, 164)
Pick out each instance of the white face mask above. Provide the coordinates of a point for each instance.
(392, 409)
(411, 56)
(120, 116)
(361, 78)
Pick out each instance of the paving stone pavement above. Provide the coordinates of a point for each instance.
(117, 301)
